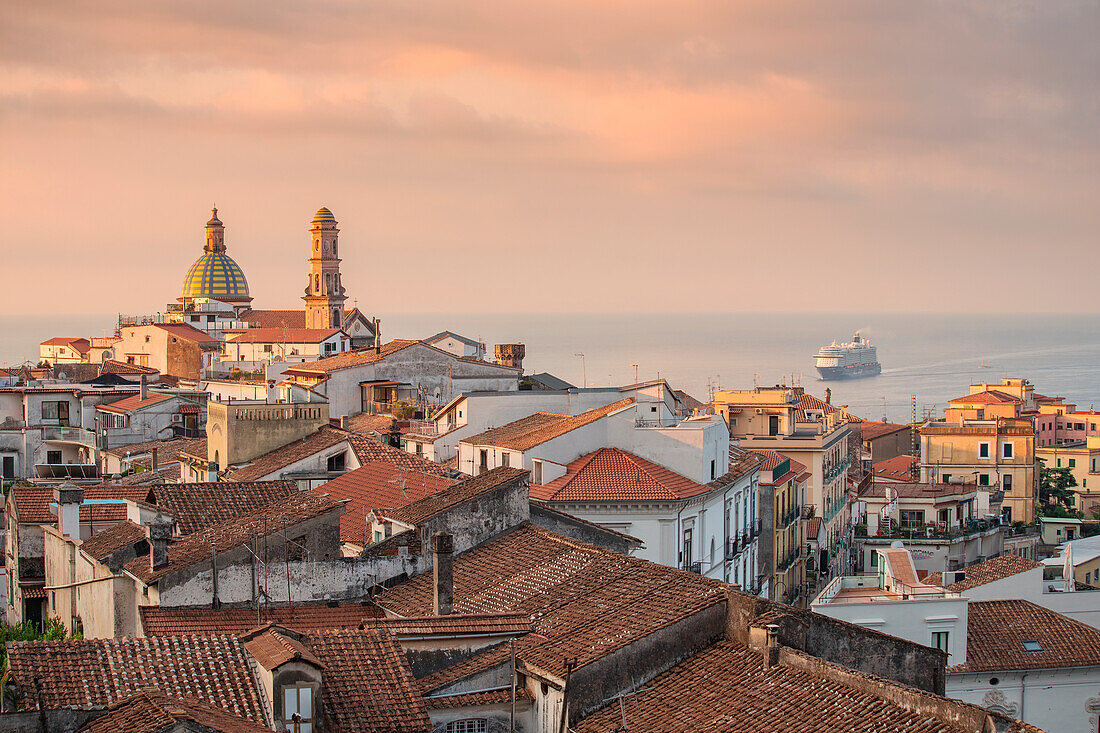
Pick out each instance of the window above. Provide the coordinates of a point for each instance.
(471, 725)
(1073, 463)
(53, 456)
(1079, 426)
(983, 479)
(941, 640)
(419, 448)
(1007, 481)
(56, 412)
(983, 450)
(484, 462)
(1032, 646)
(1006, 450)
(298, 700)
(505, 458)
(912, 517)
(712, 465)
(336, 462)
(687, 547)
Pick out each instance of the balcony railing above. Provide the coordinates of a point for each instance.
(790, 558)
(834, 470)
(935, 532)
(734, 547)
(71, 434)
(784, 521)
(754, 529)
(694, 567)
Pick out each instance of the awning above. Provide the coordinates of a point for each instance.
(383, 383)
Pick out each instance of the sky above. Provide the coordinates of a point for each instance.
(565, 156)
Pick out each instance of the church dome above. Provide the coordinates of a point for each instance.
(323, 216)
(215, 275)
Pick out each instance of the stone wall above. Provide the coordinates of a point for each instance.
(578, 529)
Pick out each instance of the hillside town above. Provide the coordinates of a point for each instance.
(229, 518)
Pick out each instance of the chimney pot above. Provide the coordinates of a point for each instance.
(343, 422)
(142, 389)
(771, 654)
(443, 572)
(69, 497)
(160, 533)
(154, 460)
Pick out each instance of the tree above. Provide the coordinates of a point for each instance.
(1056, 487)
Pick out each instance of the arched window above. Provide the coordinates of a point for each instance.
(317, 283)
(470, 725)
(334, 248)
(335, 317)
(328, 282)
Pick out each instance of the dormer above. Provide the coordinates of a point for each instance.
(291, 676)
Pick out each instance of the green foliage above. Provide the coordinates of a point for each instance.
(1058, 511)
(1056, 488)
(402, 410)
(53, 630)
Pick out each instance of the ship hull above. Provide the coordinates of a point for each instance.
(849, 372)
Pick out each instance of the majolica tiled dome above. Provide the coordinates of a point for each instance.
(323, 216)
(215, 275)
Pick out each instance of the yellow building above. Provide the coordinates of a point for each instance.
(1083, 461)
(811, 432)
(999, 453)
(783, 487)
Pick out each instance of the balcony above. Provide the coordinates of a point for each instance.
(935, 532)
(784, 521)
(754, 529)
(734, 547)
(69, 435)
(789, 559)
(694, 567)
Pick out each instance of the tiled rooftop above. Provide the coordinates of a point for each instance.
(368, 449)
(33, 504)
(167, 450)
(134, 403)
(272, 648)
(430, 506)
(150, 710)
(584, 601)
(277, 318)
(897, 468)
(199, 505)
(725, 688)
(997, 568)
(611, 474)
(527, 432)
(915, 490)
(741, 462)
(873, 430)
(997, 630)
(266, 520)
(458, 624)
(157, 621)
(100, 672)
(100, 545)
(278, 335)
(377, 486)
(989, 397)
(272, 461)
(350, 359)
(367, 683)
(183, 330)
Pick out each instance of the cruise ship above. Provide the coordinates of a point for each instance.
(846, 361)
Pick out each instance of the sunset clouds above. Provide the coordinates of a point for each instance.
(558, 156)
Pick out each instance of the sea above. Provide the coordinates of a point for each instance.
(929, 357)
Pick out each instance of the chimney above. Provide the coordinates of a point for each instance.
(343, 422)
(68, 497)
(160, 533)
(154, 460)
(443, 572)
(828, 396)
(142, 389)
(771, 654)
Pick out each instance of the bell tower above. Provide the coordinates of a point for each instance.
(215, 233)
(324, 292)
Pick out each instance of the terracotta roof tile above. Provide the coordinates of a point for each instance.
(167, 450)
(367, 683)
(272, 648)
(183, 330)
(278, 318)
(430, 506)
(101, 545)
(476, 699)
(611, 474)
(80, 345)
(377, 486)
(741, 462)
(110, 366)
(916, 490)
(350, 359)
(96, 673)
(577, 595)
(527, 432)
(266, 520)
(368, 449)
(284, 335)
(989, 397)
(996, 632)
(873, 430)
(457, 624)
(157, 621)
(898, 467)
(33, 505)
(196, 506)
(725, 688)
(273, 461)
(997, 568)
(150, 711)
(134, 403)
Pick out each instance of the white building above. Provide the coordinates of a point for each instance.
(413, 372)
(256, 347)
(545, 443)
(468, 414)
(894, 601)
(1030, 663)
(458, 345)
(682, 523)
